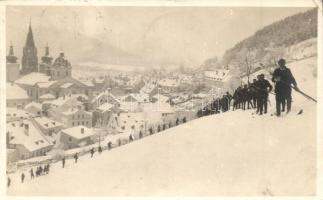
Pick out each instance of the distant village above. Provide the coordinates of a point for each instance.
(51, 113)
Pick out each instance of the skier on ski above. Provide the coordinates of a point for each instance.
(92, 152)
(22, 177)
(264, 87)
(76, 157)
(283, 79)
(63, 162)
(32, 176)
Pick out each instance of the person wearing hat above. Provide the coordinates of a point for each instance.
(283, 79)
(264, 87)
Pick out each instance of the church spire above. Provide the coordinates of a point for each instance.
(29, 61)
(30, 38)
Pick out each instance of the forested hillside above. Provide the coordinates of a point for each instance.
(270, 42)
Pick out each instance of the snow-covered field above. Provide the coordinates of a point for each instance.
(235, 153)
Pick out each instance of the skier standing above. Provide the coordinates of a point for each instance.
(264, 87)
(283, 79)
(92, 152)
(32, 176)
(63, 162)
(76, 157)
(22, 177)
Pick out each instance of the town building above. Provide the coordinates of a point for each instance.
(27, 139)
(78, 136)
(13, 71)
(16, 96)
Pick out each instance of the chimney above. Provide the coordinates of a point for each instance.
(82, 130)
(26, 129)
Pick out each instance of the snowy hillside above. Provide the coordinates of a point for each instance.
(234, 153)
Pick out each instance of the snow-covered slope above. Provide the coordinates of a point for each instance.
(235, 153)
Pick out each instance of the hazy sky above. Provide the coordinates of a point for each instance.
(138, 35)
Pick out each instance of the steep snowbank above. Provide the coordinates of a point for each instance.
(234, 153)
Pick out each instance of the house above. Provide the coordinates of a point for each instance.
(27, 139)
(68, 110)
(136, 97)
(75, 117)
(168, 84)
(38, 84)
(149, 88)
(102, 98)
(47, 126)
(14, 114)
(102, 114)
(16, 97)
(75, 137)
(34, 108)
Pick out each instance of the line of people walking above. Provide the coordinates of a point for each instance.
(255, 95)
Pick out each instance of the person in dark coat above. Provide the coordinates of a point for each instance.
(254, 92)
(283, 79)
(100, 149)
(109, 145)
(22, 177)
(92, 152)
(184, 120)
(229, 99)
(31, 171)
(264, 87)
(63, 162)
(76, 157)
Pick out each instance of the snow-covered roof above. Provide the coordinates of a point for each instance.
(13, 91)
(66, 85)
(129, 106)
(148, 88)
(34, 104)
(47, 123)
(32, 139)
(46, 84)
(87, 83)
(79, 132)
(47, 96)
(14, 113)
(105, 107)
(33, 78)
(169, 82)
(218, 75)
(139, 97)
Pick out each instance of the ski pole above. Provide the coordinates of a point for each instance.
(304, 94)
(301, 92)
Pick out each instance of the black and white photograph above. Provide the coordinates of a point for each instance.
(165, 100)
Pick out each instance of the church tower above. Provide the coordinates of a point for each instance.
(12, 66)
(29, 57)
(46, 62)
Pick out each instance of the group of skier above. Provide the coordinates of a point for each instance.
(255, 95)
(38, 172)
